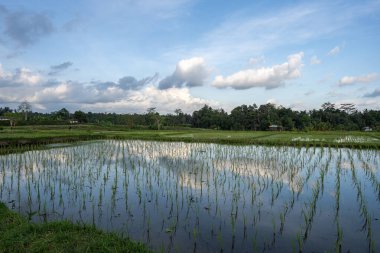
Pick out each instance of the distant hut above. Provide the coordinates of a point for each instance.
(275, 128)
(11, 121)
(367, 129)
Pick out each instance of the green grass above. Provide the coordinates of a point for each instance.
(45, 134)
(18, 235)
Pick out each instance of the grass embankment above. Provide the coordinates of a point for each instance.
(18, 235)
(37, 135)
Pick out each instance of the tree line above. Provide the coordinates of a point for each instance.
(244, 117)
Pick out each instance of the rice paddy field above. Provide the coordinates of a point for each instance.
(206, 197)
(37, 135)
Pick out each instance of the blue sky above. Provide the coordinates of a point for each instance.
(128, 55)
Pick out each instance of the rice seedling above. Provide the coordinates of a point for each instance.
(339, 239)
(366, 217)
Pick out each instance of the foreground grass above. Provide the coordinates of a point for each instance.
(18, 235)
(45, 134)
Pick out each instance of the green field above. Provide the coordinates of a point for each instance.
(52, 134)
(18, 235)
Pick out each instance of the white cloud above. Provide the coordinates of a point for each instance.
(164, 100)
(350, 80)
(268, 77)
(314, 60)
(21, 76)
(189, 73)
(50, 94)
(334, 51)
(26, 76)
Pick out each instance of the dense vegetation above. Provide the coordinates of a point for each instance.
(251, 117)
(18, 235)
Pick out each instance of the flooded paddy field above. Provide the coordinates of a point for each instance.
(196, 197)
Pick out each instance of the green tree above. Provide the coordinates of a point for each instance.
(267, 115)
(80, 116)
(179, 116)
(62, 114)
(25, 107)
(4, 110)
(153, 118)
(348, 108)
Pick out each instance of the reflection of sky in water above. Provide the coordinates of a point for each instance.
(182, 196)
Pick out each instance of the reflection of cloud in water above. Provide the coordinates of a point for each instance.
(258, 169)
(187, 159)
(345, 165)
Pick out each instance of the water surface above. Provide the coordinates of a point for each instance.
(191, 197)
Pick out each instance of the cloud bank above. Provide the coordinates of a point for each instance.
(126, 95)
(267, 77)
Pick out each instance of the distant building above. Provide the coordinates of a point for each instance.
(367, 129)
(275, 128)
(11, 121)
(73, 121)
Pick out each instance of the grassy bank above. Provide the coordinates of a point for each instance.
(18, 235)
(37, 135)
